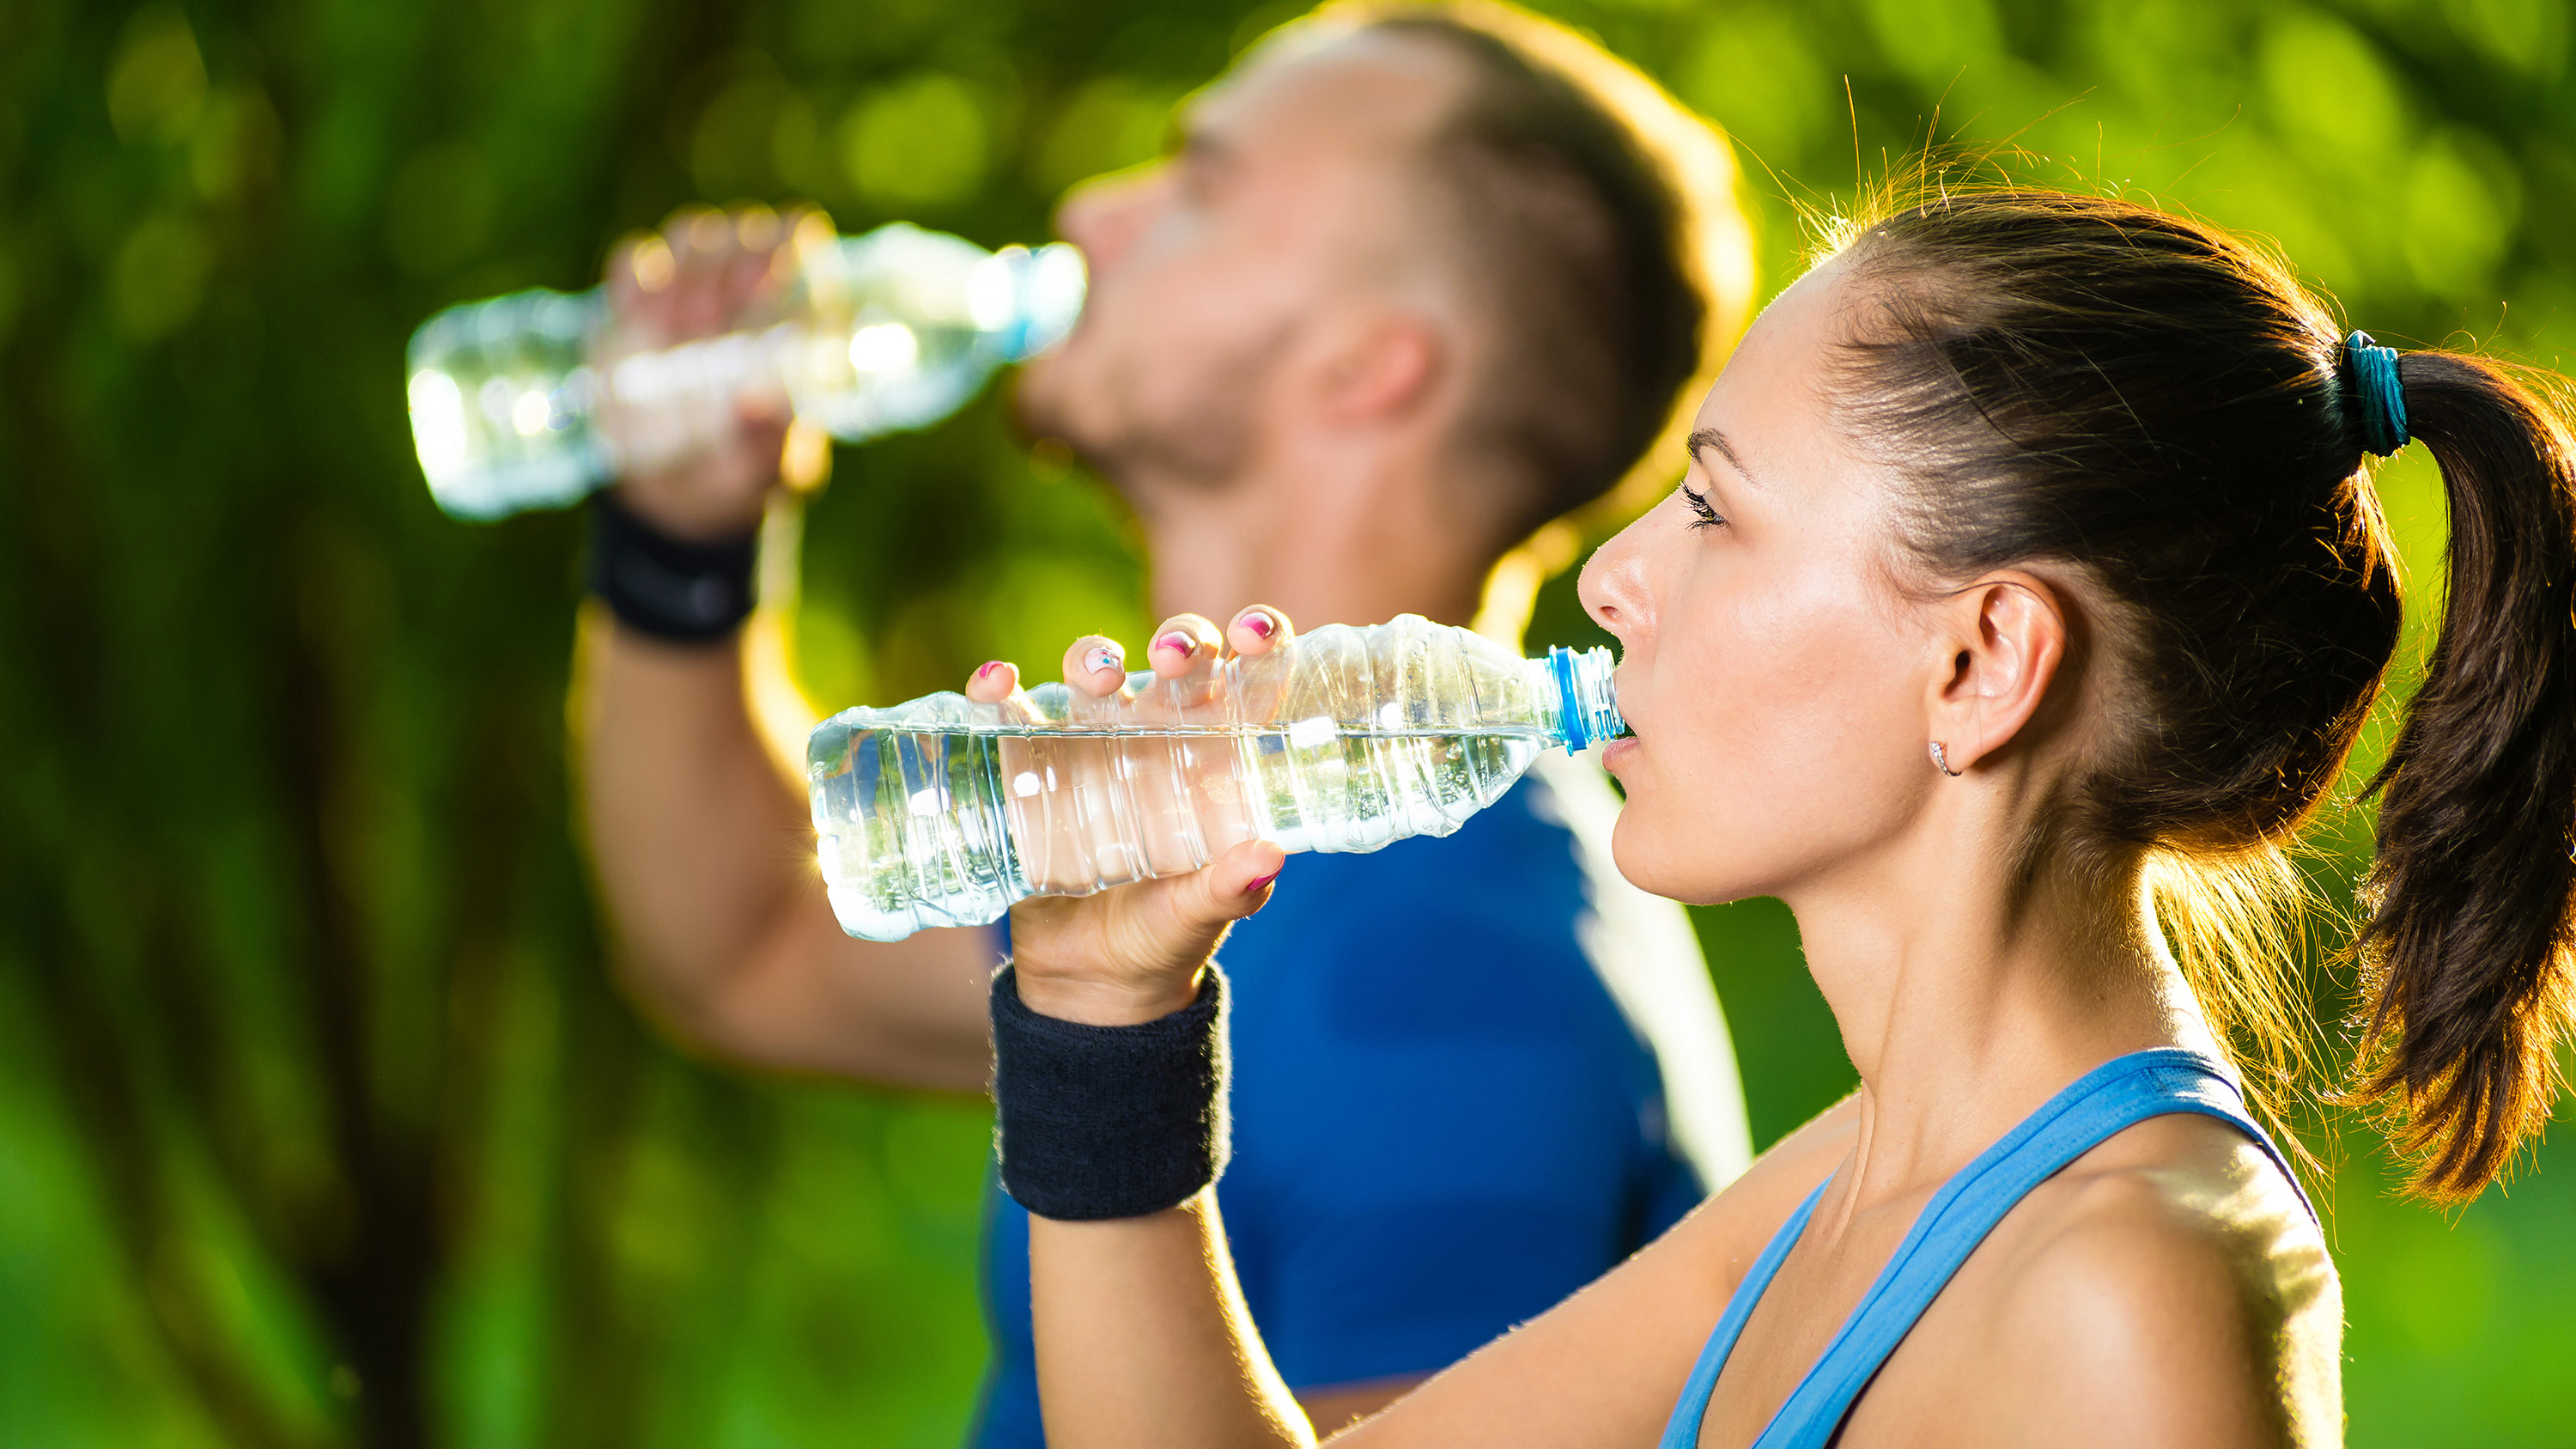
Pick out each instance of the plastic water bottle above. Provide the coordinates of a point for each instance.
(528, 401)
(944, 812)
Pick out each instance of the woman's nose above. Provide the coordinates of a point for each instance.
(1612, 586)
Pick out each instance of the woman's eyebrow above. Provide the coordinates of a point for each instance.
(1714, 440)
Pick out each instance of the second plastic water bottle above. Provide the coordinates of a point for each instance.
(531, 400)
(944, 812)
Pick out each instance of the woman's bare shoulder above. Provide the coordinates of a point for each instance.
(2169, 1288)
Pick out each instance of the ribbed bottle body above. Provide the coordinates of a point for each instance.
(945, 812)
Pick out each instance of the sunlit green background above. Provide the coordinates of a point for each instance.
(318, 1122)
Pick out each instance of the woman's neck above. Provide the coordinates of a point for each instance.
(1967, 997)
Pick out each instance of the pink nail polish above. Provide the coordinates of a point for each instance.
(1259, 624)
(1254, 887)
(1104, 657)
(1177, 642)
(989, 667)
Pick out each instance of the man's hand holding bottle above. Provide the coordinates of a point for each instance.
(705, 274)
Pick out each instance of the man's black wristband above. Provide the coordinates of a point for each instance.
(687, 593)
(1108, 1121)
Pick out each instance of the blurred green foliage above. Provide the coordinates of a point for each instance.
(319, 1120)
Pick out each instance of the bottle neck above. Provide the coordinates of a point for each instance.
(1586, 712)
(1025, 300)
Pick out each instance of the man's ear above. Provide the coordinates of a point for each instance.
(1382, 367)
(2005, 636)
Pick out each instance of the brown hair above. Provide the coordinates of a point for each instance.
(1596, 222)
(2162, 408)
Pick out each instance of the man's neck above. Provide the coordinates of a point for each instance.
(1326, 545)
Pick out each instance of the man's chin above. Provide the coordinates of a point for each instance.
(1044, 423)
(1086, 400)
(1038, 405)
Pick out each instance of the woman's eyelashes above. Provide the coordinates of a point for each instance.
(1702, 515)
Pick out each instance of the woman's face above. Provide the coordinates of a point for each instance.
(1778, 683)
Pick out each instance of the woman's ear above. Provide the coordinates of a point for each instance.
(2005, 636)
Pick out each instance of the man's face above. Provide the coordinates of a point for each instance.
(1285, 200)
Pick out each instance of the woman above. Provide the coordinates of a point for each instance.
(2024, 596)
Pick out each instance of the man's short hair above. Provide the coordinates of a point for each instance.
(1598, 222)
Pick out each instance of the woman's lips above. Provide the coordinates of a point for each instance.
(1617, 750)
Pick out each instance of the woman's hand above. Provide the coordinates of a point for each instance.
(1136, 952)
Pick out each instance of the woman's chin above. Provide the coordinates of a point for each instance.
(1640, 856)
(1664, 859)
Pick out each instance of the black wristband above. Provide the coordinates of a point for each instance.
(687, 593)
(1108, 1121)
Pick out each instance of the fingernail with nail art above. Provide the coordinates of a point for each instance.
(1103, 657)
(1177, 642)
(1259, 624)
(1254, 887)
(989, 667)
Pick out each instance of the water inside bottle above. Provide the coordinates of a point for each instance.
(949, 825)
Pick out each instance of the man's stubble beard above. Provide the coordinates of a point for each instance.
(1197, 440)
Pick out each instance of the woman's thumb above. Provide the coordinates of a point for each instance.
(1235, 886)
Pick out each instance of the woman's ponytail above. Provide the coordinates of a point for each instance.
(2468, 935)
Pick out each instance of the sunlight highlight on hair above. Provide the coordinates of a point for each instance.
(2236, 924)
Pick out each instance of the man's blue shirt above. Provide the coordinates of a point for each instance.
(1442, 1123)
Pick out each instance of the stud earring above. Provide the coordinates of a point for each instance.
(1941, 760)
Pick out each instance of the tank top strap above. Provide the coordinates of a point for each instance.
(2112, 1097)
(1682, 1432)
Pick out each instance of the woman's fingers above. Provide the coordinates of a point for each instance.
(1240, 880)
(1096, 665)
(1199, 906)
(1236, 885)
(994, 682)
(1257, 630)
(1133, 954)
(1176, 918)
(1185, 642)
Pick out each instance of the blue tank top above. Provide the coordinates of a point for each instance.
(2118, 1094)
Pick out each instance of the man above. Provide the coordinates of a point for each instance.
(1416, 282)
